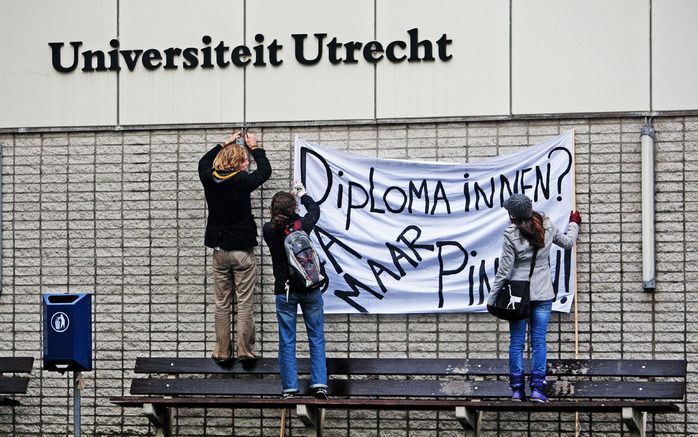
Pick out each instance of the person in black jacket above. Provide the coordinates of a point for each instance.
(231, 232)
(290, 295)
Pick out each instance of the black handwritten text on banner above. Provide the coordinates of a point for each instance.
(400, 236)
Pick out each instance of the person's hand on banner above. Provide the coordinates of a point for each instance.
(298, 189)
(576, 217)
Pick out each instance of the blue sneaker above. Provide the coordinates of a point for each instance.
(537, 395)
(518, 394)
(537, 387)
(516, 382)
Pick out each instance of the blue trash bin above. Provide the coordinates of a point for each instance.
(67, 332)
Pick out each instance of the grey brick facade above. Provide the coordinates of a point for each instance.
(121, 215)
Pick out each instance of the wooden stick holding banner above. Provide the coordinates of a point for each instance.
(577, 426)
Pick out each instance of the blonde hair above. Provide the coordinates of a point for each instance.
(230, 158)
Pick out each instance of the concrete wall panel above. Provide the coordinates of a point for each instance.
(475, 81)
(569, 56)
(674, 55)
(32, 92)
(212, 95)
(580, 56)
(324, 91)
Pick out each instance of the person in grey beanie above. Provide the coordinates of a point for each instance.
(530, 232)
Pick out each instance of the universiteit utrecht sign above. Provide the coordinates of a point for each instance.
(307, 49)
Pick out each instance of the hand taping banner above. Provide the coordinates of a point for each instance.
(400, 236)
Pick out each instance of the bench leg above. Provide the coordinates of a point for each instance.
(470, 420)
(160, 418)
(313, 419)
(9, 402)
(636, 421)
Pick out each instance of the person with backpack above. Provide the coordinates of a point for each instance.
(298, 279)
(529, 233)
(231, 232)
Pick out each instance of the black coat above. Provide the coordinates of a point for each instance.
(275, 241)
(230, 224)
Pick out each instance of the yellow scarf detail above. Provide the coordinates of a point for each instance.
(223, 177)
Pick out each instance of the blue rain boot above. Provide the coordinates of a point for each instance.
(517, 384)
(538, 388)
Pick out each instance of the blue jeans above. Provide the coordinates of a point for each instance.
(540, 315)
(313, 315)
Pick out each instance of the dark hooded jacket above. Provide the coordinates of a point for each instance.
(275, 240)
(230, 224)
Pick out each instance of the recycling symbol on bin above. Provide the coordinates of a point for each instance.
(60, 322)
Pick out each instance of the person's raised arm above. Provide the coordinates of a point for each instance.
(253, 180)
(312, 214)
(206, 161)
(566, 241)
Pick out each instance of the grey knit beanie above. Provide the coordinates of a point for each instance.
(519, 206)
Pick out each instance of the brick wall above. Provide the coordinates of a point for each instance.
(121, 215)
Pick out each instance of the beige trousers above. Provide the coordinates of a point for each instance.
(234, 270)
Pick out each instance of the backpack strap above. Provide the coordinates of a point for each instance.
(293, 226)
(533, 262)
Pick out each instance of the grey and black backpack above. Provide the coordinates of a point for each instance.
(303, 262)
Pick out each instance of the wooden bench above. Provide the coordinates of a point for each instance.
(13, 385)
(465, 386)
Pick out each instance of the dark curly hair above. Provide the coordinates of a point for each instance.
(532, 229)
(283, 206)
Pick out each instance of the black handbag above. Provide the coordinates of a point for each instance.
(513, 300)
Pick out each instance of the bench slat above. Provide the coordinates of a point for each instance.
(419, 366)
(13, 385)
(336, 366)
(190, 366)
(639, 368)
(411, 388)
(220, 387)
(617, 389)
(396, 404)
(409, 366)
(16, 364)
(272, 387)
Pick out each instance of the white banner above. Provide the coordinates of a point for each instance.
(425, 237)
